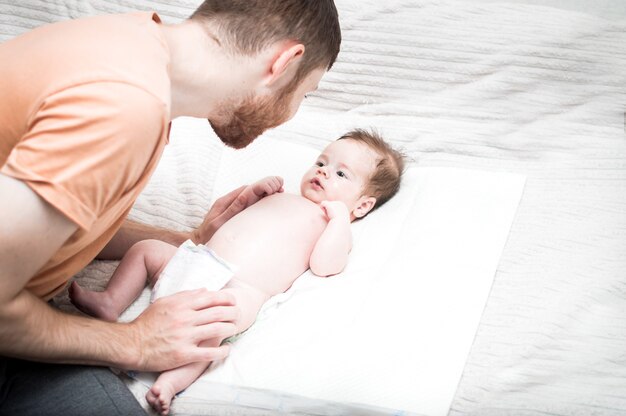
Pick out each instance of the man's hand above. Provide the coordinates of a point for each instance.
(132, 232)
(222, 210)
(169, 332)
(233, 203)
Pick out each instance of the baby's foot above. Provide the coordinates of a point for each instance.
(160, 397)
(92, 303)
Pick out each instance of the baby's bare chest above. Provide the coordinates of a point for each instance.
(280, 228)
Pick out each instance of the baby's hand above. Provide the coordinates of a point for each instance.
(267, 186)
(335, 209)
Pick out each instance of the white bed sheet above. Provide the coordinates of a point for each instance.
(500, 87)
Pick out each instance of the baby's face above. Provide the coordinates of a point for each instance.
(340, 173)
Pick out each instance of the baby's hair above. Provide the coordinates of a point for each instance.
(385, 181)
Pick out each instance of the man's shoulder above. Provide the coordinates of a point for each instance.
(127, 48)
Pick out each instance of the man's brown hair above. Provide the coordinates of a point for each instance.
(248, 26)
(385, 181)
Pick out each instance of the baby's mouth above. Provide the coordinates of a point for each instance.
(317, 183)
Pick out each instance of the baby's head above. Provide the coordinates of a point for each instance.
(360, 169)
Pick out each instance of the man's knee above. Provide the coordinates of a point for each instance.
(42, 389)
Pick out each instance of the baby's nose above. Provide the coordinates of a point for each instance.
(322, 170)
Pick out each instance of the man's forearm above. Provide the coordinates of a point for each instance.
(30, 233)
(30, 329)
(164, 336)
(132, 232)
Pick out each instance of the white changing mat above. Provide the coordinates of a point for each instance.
(394, 329)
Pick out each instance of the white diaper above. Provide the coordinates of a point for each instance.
(192, 267)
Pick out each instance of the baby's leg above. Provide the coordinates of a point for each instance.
(143, 261)
(174, 381)
(249, 300)
(160, 396)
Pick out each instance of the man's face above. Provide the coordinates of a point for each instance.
(254, 115)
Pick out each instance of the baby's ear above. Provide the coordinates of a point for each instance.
(365, 205)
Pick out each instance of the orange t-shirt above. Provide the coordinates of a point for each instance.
(84, 118)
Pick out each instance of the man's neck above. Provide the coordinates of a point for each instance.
(203, 75)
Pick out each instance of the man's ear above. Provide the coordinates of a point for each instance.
(366, 204)
(284, 62)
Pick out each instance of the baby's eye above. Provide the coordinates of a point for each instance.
(341, 174)
(320, 164)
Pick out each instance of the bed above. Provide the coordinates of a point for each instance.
(515, 118)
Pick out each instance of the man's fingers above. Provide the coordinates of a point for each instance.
(228, 208)
(221, 211)
(210, 353)
(201, 298)
(217, 314)
(235, 207)
(219, 330)
(229, 198)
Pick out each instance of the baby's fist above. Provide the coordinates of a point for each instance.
(267, 186)
(335, 209)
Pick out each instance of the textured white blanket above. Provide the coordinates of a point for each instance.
(496, 86)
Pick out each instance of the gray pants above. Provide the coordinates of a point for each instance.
(29, 388)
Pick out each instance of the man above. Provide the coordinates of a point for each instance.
(84, 116)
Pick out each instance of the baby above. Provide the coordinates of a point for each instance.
(272, 242)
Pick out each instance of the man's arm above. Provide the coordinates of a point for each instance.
(165, 336)
(222, 210)
(132, 232)
(330, 254)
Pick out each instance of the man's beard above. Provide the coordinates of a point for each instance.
(251, 118)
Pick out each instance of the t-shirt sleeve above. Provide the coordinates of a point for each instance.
(87, 146)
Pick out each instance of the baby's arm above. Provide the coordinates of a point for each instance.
(330, 253)
(262, 188)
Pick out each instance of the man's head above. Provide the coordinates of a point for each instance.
(359, 169)
(309, 34)
(242, 122)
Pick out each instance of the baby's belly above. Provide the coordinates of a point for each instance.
(271, 242)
